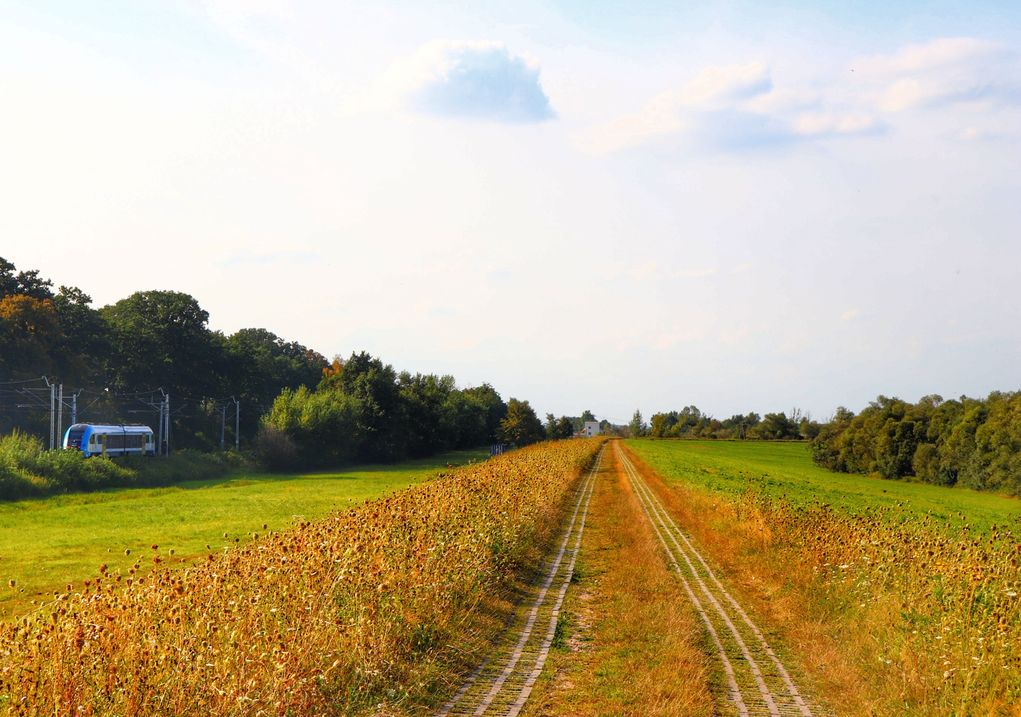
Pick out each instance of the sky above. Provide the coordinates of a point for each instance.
(745, 206)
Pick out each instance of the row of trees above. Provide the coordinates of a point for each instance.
(119, 355)
(690, 422)
(976, 442)
(362, 409)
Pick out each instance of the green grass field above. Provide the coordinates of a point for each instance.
(786, 469)
(49, 542)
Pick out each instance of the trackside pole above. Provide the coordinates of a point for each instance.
(60, 416)
(53, 400)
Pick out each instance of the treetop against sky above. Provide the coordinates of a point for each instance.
(741, 205)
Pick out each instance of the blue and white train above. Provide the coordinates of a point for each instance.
(98, 440)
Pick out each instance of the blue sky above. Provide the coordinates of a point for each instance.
(741, 205)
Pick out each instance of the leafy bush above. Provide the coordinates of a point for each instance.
(70, 471)
(274, 449)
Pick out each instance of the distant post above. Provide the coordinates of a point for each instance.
(53, 400)
(60, 416)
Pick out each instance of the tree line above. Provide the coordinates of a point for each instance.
(364, 410)
(120, 353)
(974, 442)
(302, 408)
(690, 422)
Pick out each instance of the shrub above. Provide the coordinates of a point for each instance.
(274, 449)
(27, 470)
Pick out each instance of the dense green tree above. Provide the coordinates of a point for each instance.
(637, 427)
(662, 424)
(969, 441)
(260, 364)
(84, 344)
(29, 332)
(520, 426)
(557, 428)
(161, 339)
(121, 354)
(775, 426)
(383, 416)
(432, 418)
(23, 283)
(325, 425)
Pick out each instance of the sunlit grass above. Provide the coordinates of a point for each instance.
(786, 470)
(49, 542)
(905, 595)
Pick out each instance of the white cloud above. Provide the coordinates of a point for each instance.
(942, 71)
(782, 100)
(723, 86)
(473, 80)
(850, 314)
(717, 89)
(739, 106)
(937, 54)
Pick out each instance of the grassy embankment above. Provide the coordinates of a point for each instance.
(901, 598)
(47, 543)
(362, 610)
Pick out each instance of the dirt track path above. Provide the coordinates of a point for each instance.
(503, 683)
(758, 682)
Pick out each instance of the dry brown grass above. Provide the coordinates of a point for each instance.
(884, 620)
(371, 608)
(636, 648)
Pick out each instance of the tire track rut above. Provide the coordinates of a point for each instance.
(758, 683)
(502, 684)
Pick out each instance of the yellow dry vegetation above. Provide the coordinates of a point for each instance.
(886, 619)
(363, 609)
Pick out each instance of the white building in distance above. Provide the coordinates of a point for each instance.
(591, 428)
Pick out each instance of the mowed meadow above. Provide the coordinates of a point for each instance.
(785, 470)
(904, 597)
(377, 605)
(48, 543)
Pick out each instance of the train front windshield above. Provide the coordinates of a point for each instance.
(74, 438)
